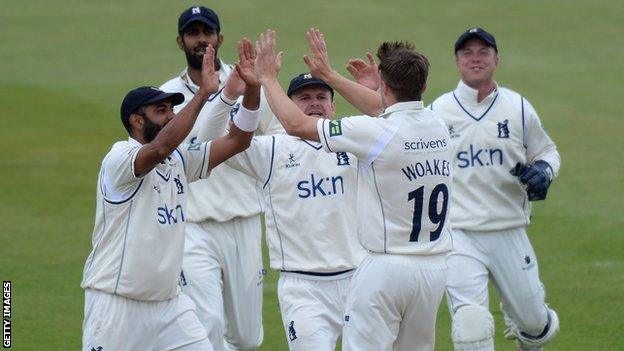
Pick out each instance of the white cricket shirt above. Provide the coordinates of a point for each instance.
(310, 197)
(489, 138)
(404, 177)
(138, 237)
(228, 193)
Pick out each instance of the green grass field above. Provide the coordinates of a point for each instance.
(66, 65)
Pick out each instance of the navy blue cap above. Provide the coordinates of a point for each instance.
(475, 33)
(304, 80)
(198, 14)
(145, 95)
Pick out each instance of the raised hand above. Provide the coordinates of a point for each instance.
(268, 62)
(366, 74)
(210, 78)
(235, 86)
(245, 65)
(318, 62)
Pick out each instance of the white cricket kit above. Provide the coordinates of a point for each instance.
(490, 208)
(311, 232)
(489, 138)
(223, 260)
(404, 188)
(138, 238)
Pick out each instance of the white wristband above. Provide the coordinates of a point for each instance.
(247, 120)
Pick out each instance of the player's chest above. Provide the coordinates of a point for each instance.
(168, 181)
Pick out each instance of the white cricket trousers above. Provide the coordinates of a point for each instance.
(393, 302)
(312, 310)
(113, 322)
(223, 274)
(508, 258)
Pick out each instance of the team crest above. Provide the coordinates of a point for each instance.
(335, 128)
(99, 348)
(343, 158)
(503, 129)
(182, 279)
(292, 334)
(178, 184)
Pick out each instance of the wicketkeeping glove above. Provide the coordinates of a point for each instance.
(536, 176)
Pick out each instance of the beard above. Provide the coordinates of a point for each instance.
(195, 59)
(150, 130)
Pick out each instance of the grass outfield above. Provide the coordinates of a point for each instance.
(66, 65)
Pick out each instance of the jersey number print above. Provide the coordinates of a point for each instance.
(434, 216)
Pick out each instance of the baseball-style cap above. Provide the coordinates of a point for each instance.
(476, 33)
(198, 14)
(145, 95)
(304, 80)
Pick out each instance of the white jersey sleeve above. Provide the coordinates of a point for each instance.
(538, 143)
(358, 134)
(118, 176)
(195, 159)
(257, 160)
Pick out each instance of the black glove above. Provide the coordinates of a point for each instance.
(536, 176)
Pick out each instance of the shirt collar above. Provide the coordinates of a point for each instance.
(133, 141)
(402, 106)
(467, 94)
(223, 74)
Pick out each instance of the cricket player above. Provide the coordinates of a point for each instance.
(132, 297)
(404, 188)
(311, 220)
(503, 160)
(222, 269)
(494, 131)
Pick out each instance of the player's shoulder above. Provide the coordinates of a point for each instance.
(507, 93)
(173, 85)
(441, 100)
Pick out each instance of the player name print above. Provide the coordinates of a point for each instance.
(433, 167)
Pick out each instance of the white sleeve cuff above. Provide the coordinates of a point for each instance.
(225, 99)
(247, 120)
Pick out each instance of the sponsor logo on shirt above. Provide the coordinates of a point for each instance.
(452, 132)
(194, 145)
(335, 128)
(503, 129)
(292, 162)
(171, 216)
(475, 157)
(323, 186)
(343, 158)
(425, 145)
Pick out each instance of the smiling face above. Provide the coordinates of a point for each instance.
(195, 39)
(315, 101)
(476, 62)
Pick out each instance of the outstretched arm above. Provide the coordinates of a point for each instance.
(366, 100)
(178, 128)
(246, 120)
(268, 63)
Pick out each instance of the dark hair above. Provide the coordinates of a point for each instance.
(403, 69)
(126, 122)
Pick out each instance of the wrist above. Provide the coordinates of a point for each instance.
(247, 120)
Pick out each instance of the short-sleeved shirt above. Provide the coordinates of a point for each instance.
(404, 177)
(489, 138)
(310, 198)
(138, 237)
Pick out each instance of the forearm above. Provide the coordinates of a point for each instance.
(217, 116)
(364, 99)
(179, 127)
(291, 117)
